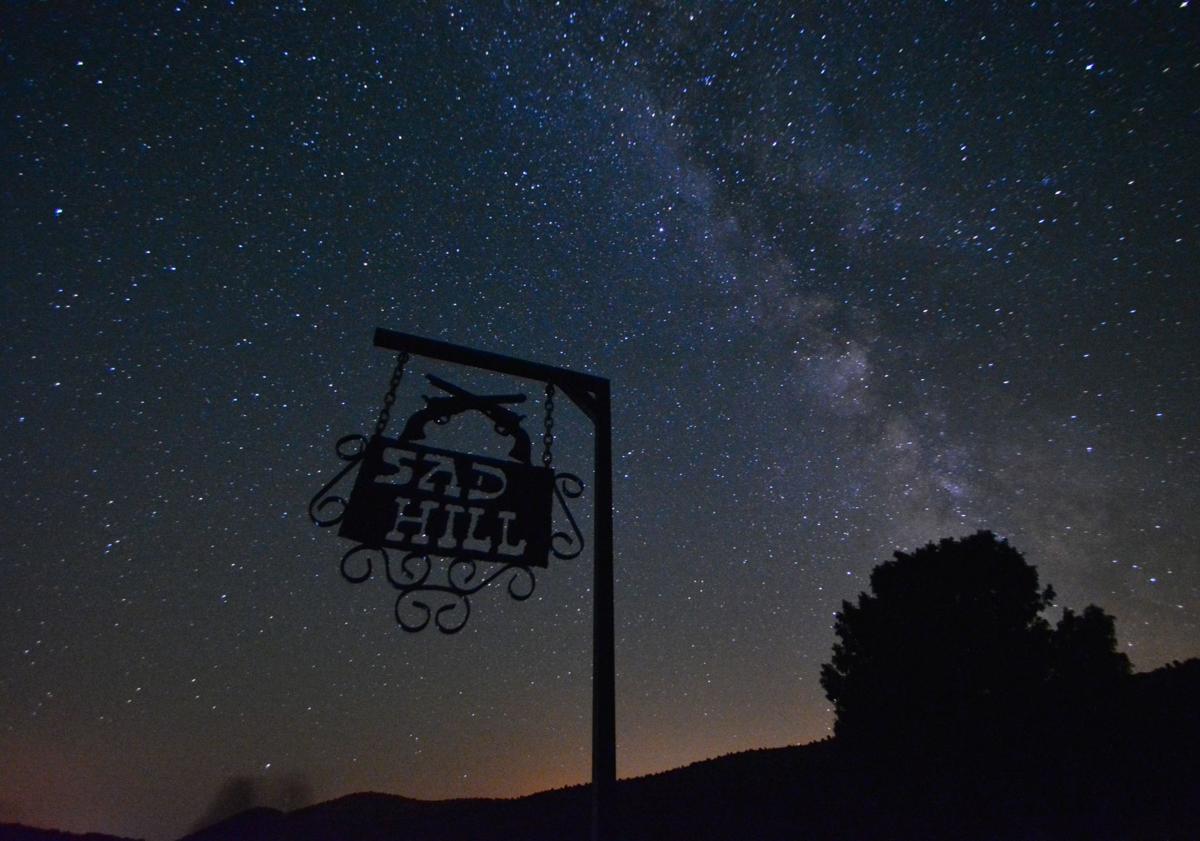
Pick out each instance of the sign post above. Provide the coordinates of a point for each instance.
(428, 501)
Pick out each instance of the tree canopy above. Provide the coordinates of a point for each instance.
(951, 641)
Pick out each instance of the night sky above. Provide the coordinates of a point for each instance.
(862, 275)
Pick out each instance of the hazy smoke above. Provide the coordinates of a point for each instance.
(286, 792)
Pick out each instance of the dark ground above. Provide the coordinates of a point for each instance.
(1115, 768)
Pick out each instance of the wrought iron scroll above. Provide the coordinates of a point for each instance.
(360, 555)
(447, 605)
(350, 449)
(567, 545)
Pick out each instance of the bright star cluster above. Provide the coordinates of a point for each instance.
(863, 275)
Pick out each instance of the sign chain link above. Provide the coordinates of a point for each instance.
(388, 399)
(548, 426)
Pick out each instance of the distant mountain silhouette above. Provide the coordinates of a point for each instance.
(1119, 765)
(16, 832)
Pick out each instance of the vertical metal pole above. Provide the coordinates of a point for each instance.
(593, 396)
(604, 675)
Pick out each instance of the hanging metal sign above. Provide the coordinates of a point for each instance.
(445, 513)
(429, 503)
(441, 502)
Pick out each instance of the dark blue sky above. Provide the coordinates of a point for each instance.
(863, 275)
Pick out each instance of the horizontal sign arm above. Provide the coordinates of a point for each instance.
(586, 391)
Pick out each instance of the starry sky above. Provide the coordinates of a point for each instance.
(863, 275)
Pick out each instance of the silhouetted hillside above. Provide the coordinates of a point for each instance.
(16, 832)
(380, 817)
(1114, 765)
(1118, 764)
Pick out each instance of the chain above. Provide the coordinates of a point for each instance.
(548, 426)
(388, 399)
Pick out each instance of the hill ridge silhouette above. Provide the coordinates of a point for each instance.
(20, 832)
(1132, 781)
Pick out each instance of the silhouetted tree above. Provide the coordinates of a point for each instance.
(1084, 652)
(971, 715)
(949, 638)
(950, 644)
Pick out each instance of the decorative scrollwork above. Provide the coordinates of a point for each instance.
(350, 449)
(563, 544)
(448, 605)
(360, 555)
(411, 600)
(409, 577)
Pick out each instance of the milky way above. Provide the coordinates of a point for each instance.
(862, 277)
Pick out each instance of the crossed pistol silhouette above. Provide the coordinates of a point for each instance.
(441, 409)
